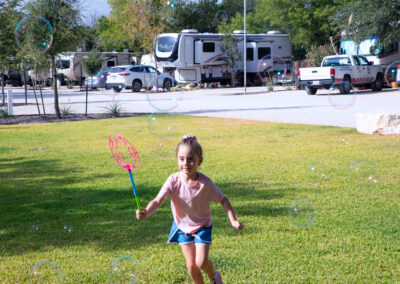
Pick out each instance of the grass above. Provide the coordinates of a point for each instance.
(63, 174)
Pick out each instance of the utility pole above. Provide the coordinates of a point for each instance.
(244, 49)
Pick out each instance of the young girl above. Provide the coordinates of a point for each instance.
(191, 193)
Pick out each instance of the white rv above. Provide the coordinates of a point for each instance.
(192, 57)
(69, 65)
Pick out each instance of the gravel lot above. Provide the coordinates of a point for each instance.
(281, 105)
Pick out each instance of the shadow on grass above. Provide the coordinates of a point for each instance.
(46, 204)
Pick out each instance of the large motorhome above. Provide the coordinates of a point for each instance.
(370, 48)
(69, 65)
(193, 57)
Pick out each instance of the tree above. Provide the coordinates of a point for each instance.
(63, 15)
(229, 47)
(142, 20)
(306, 22)
(91, 65)
(373, 18)
(9, 16)
(111, 36)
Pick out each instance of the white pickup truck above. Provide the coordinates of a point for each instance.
(342, 72)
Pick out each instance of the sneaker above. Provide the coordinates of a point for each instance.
(217, 278)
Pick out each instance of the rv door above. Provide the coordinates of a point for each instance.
(198, 49)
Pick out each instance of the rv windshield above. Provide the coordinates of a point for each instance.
(166, 43)
(369, 46)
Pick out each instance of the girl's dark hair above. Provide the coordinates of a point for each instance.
(190, 140)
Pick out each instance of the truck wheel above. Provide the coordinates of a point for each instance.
(14, 83)
(136, 86)
(311, 90)
(377, 85)
(167, 85)
(345, 87)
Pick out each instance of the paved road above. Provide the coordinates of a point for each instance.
(280, 105)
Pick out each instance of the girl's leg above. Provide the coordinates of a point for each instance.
(189, 251)
(202, 260)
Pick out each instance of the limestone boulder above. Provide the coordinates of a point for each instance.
(378, 123)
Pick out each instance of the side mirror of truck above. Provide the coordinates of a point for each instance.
(371, 63)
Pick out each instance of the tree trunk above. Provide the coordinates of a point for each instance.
(3, 79)
(25, 88)
(54, 75)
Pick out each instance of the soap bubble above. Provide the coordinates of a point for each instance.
(363, 173)
(45, 272)
(34, 33)
(302, 213)
(346, 16)
(124, 270)
(318, 171)
(166, 148)
(342, 101)
(161, 125)
(67, 228)
(161, 95)
(271, 68)
(392, 74)
(221, 16)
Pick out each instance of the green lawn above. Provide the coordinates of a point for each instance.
(63, 174)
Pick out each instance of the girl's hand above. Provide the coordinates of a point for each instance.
(236, 224)
(140, 215)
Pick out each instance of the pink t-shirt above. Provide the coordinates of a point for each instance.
(190, 205)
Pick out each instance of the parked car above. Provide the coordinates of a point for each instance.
(136, 77)
(98, 80)
(15, 78)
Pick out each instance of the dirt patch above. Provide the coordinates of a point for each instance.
(49, 118)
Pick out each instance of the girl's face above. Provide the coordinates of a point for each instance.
(188, 161)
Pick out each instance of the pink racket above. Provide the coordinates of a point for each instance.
(127, 157)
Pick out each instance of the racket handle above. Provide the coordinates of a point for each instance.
(135, 191)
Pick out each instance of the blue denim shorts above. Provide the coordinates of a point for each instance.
(202, 236)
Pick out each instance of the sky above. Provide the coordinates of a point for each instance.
(94, 7)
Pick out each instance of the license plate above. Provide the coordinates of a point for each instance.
(315, 82)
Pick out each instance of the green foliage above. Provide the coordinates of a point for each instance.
(373, 18)
(113, 37)
(92, 64)
(59, 174)
(4, 113)
(66, 110)
(114, 109)
(317, 53)
(10, 15)
(229, 47)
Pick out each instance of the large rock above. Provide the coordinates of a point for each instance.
(378, 123)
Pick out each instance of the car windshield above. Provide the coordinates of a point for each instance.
(166, 43)
(337, 61)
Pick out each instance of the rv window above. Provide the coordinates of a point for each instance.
(62, 64)
(264, 53)
(208, 47)
(250, 54)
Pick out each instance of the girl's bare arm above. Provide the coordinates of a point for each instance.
(150, 209)
(231, 213)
